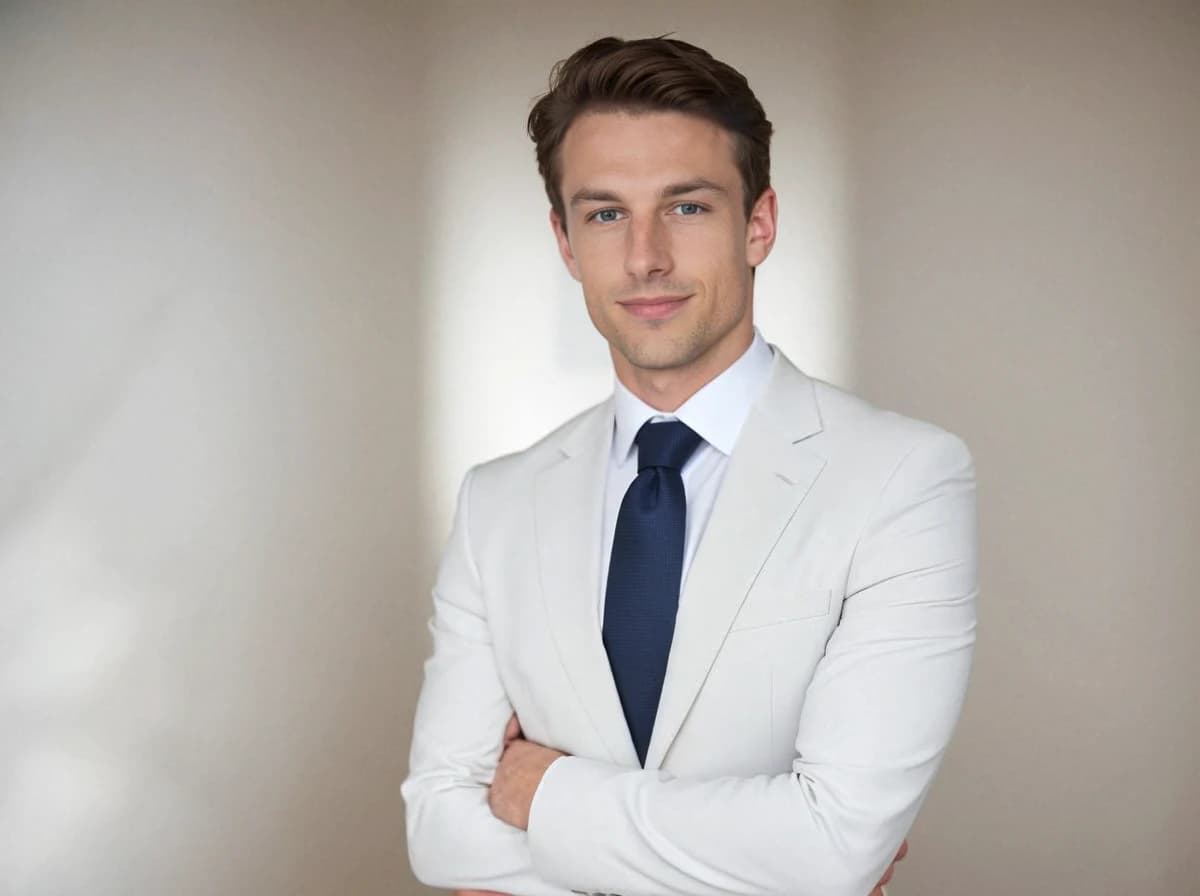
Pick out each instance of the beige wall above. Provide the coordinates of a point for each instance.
(1027, 271)
(274, 273)
(211, 372)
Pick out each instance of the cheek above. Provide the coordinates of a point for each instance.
(715, 250)
(599, 273)
(593, 290)
(715, 263)
(591, 258)
(597, 293)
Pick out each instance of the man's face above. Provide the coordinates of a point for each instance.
(656, 232)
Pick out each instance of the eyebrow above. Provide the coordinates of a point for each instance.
(696, 185)
(691, 186)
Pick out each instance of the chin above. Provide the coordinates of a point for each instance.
(655, 355)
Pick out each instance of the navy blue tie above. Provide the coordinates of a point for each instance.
(644, 574)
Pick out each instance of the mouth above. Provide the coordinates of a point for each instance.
(654, 307)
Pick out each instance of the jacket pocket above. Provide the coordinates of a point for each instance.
(777, 606)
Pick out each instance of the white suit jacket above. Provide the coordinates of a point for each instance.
(820, 657)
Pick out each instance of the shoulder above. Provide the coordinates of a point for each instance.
(848, 430)
(893, 444)
(515, 472)
(847, 416)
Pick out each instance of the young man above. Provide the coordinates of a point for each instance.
(712, 635)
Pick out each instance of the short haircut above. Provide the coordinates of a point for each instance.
(650, 75)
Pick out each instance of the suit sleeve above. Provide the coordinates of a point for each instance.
(454, 841)
(876, 721)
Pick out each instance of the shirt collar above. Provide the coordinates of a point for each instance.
(716, 413)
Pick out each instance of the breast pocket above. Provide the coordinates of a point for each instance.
(766, 606)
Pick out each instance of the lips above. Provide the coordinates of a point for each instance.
(654, 307)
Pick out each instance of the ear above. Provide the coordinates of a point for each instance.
(760, 228)
(564, 244)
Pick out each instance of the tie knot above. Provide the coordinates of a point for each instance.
(666, 444)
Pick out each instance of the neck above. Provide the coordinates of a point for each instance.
(667, 389)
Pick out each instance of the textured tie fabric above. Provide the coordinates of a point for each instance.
(644, 574)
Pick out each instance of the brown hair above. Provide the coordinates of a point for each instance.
(654, 73)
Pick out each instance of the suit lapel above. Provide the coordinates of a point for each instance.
(569, 514)
(769, 474)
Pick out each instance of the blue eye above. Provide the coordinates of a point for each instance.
(606, 215)
(687, 209)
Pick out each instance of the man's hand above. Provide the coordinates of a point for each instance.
(891, 869)
(522, 765)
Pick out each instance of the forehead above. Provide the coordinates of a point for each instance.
(610, 147)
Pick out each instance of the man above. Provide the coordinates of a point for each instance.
(712, 635)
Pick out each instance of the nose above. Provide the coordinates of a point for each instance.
(647, 248)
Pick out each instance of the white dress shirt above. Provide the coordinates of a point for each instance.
(716, 413)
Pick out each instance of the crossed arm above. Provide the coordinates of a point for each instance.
(522, 766)
(876, 720)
